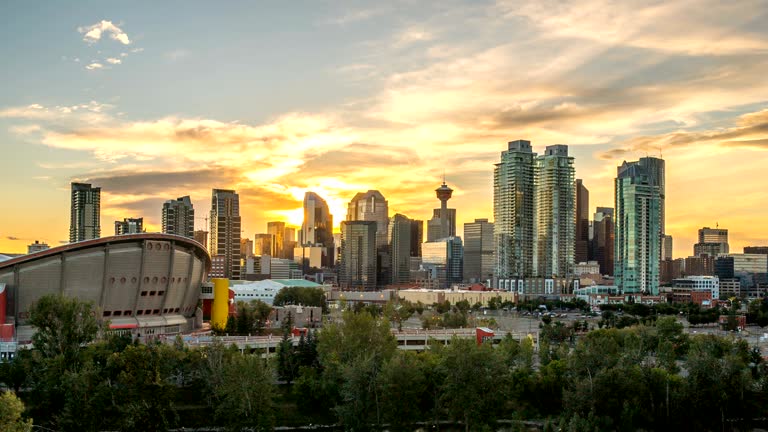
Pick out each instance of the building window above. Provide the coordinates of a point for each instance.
(107, 313)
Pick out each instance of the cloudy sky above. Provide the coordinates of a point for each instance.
(155, 100)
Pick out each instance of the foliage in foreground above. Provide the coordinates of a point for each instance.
(351, 372)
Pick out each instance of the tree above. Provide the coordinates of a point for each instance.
(402, 386)
(287, 361)
(11, 409)
(305, 296)
(64, 325)
(244, 397)
(470, 371)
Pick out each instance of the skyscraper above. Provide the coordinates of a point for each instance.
(581, 250)
(478, 250)
(201, 236)
(638, 225)
(357, 268)
(603, 239)
(317, 229)
(417, 237)
(263, 244)
(555, 213)
(400, 249)
(513, 211)
(444, 259)
(277, 230)
(225, 230)
(85, 215)
(179, 217)
(129, 226)
(372, 206)
(666, 247)
(712, 241)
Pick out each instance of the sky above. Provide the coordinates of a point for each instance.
(157, 100)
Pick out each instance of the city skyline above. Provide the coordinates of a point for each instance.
(375, 97)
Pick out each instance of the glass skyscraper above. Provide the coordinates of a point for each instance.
(478, 250)
(555, 213)
(513, 211)
(357, 267)
(639, 222)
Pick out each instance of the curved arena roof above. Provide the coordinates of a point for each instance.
(136, 280)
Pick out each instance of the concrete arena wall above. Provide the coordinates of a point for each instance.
(136, 278)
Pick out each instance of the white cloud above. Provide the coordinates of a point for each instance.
(94, 66)
(114, 61)
(93, 33)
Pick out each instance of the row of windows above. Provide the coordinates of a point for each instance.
(154, 280)
(143, 312)
(152, 293)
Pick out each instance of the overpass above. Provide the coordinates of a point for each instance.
(411, 339)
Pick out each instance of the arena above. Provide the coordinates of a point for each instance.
(145, 284)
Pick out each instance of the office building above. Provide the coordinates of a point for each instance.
(37, 247)
(289, 235)
(712, 242)
(246, 248)
(417, 237)
(372, 206)
(478, 251)
(317, 229)
(85, 215)
(760, 250)
(277, 231)
(179, 217)
(262, 244)
(400, 249)
(201, 236)
(357, 266)
(685, 290)
(443, 259)
(514, 211)
(309, 257)
(281, 268)
(638, 226)
(129, 226)
(555, 213)
(581, 246)
(603, 239)
(666, 247)
(225, 231)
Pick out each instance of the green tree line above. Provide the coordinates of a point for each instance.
(351, 373)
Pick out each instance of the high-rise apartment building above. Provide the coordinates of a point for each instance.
(555, 213)
(263, 244)
(712, 242)
(225, 230)
(129, 226)
(400, 249)
(514, 211)
(603, 239)
(85, 215)
(277, 231)
(357, 268)
(179, 217)
(639, 216)
(478, 251)
(317, 229)
(581, 248)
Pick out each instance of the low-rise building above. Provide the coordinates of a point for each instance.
(429, 296)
